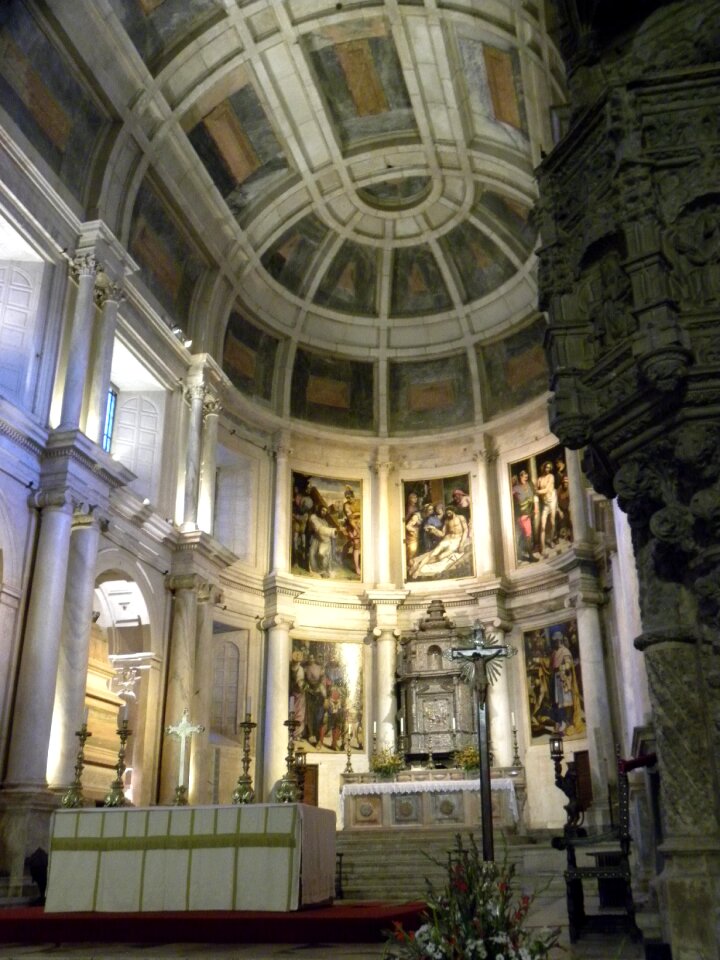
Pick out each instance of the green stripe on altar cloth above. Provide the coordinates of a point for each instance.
(196, 842)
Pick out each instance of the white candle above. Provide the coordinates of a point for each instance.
(123, 714)
(374, 727)
(402, 726)
(248, 705)
(512, 718)
(453, 723)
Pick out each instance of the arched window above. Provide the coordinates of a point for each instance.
(226, 671)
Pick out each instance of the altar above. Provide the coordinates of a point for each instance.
(428, 798)
(246, 857)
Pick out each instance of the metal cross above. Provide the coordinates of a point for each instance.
(183, 730)
(480, 667)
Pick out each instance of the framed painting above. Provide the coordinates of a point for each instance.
(542, 512)
(554, 681)
(326, 527)
(437, 529)
(326, 695)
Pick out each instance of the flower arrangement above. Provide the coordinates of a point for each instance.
(476, 917)
(468, 758)
(386, 763)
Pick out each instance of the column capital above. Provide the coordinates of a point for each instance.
(106, 290)
(211, 406)
(277, 620)
(184, 581)
(83, 265)
(210, 593)
(193, 391)
(52, 499)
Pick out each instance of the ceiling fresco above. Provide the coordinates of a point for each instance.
(348, 185)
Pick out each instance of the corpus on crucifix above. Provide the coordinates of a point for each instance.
(183, 730)
(481, 667)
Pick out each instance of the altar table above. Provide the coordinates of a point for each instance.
(246, 857)
(424, 803)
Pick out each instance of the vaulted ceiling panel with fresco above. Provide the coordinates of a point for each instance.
(351, 182)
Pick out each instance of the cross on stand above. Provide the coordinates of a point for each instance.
(183, 730)
(480, 667)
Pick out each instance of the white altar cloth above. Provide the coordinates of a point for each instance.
(506, 784)
(245, 857)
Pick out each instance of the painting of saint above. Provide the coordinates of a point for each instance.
(326, 695)
(437, 530)
(554, 681)
(326, 528)
(540, 490)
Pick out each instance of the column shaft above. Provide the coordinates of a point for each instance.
(180, 682)
(192, 458)
(100, 382)
(385, 701)
(206, 502)
(277, 697)
(79, 347)
(200, 780)
(578, 500)
(382, 524)
(282, 508)
(74, 647)
(32, 719)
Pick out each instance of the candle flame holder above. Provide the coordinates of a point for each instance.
(74, 797)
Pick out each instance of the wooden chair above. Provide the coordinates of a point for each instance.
(611, 869)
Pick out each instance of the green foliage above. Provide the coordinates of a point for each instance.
(477, 916)
(387, 763)
(468, 758)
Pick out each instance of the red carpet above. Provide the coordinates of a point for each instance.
(341, 923)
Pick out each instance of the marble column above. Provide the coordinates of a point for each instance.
(83, 267)
(578, 499)
(499, 706)
(277, 700)
(483, 503)
(35, 695)
(200, 779)
(196, 395)
(181, 675)
(206, 503)
(597, 705)
(382, 522)
(74, 647)
(385, 702)
(282, 507)
(108, 296)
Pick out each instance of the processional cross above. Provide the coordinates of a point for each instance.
(480, 667)
(183, 730)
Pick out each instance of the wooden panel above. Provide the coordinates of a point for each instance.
(584, 781)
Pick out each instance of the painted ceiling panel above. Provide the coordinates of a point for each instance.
(350, 282)
(288, 261)
(478, 261)
(417, 283)
(156, 27)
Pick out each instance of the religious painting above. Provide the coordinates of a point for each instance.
(334, 391)
(514, 369)
(554, 681)
(437, 529)
(429, 394)
(326, 696)
(326, 527)
(542, 512)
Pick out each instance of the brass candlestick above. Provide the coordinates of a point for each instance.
(73, 797)
(516, 762)
(244, 792)
(348, 751)
(287, 791)
(116, 795)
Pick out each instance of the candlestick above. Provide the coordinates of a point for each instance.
(243, 792)
(516, 762)
(116, 794)
(348, 751)
(287, 791)
(73, 797)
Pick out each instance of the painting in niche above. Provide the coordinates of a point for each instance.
(554, 681)
(326, 527)
(326, 695)
(437, 529)
(542, 512)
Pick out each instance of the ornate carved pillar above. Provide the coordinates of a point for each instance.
(200, 783)
(277, 700)
(196, 394)
(629, 270)
(282, 506)
(74, 646)
(108, 296)
(35, 696)
(206, 504)
(83, 269)
(181, 673)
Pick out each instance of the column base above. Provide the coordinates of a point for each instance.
(25, 813)
(689, 895)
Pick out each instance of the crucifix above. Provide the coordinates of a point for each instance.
(480, 666)
(183, 730)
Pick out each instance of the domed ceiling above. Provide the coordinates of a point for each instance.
(366, 185)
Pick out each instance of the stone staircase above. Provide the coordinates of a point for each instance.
(392, 865)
